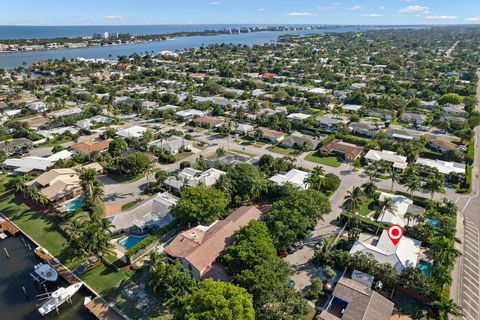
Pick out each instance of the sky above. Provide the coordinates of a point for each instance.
(138, 12)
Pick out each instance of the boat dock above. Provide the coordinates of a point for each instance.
(100, 309)
(45, 256)
(6, 225)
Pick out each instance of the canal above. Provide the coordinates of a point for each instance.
(15, 275)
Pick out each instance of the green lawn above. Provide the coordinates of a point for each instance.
(46, 231)
(123, 178)
(311, 313)
(182, 155)
(128, 205)
(240, 152)
(286, 151)
(327, 161)
(367, 206)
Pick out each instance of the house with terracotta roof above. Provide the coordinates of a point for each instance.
(349, 151)
(199, 248)
(87, 147)
(267, 134)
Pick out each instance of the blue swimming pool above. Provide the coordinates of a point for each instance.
(130, 241)
(435, 222)
(425, 267)
(73, 205)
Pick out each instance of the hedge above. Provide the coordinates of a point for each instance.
(150, 239)
(365, 223)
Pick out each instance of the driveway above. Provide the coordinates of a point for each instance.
(122, 193)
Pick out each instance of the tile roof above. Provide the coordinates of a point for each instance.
(88, 147)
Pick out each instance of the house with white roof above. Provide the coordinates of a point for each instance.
(132, 132)
(28, 164)
(298, 116)
(57, 131)
(402, 206)
(153, 213)
(351, 107)
(445, 167)
(403, 255)
(398, 162)
(190, 114)
(192, 177)
(37, 106)
(88, 123)
(65, 112)
(172, 144)
(295, 177)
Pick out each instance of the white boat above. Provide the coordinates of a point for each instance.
(58, 297)
(46, 272)
(3, 236)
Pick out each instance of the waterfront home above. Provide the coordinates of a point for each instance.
(299, 140)
(58, 185)
(132, 132)
(398, 162)
(400, 256)
(444, 167)
(295, 177)
(198, 248)
(354, 300)
(87, 147)
(172, 145)
(153, 214)
(348, 151)
(33, 164)
(267, 134)
(397, 215)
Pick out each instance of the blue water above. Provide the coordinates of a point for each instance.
(130, 241)
(435, 222)
(15, 59)
(73, 205)
(425, 267)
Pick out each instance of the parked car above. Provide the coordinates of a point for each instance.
(327, 286)
(282, 253)
(440, 131)
(297, 245)
(291, 284)
(319, 244)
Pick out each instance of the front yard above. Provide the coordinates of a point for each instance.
(330, 161)
(286, 151)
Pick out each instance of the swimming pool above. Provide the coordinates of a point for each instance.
(425, 267)
(131, 241)
(73, 205)
(435, 222)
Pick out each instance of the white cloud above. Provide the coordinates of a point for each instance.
(357, 8)
(474, 19)
(372, 15)
(262, 10)
(301, 14)
(441, 17)
(414, 10)
(213, 3)
(114, 17)
(381, 8)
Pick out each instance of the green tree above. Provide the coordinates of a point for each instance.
(200, 205)
(134, 163)
(117, 147)
(353, 200)
(450, 98)
(253, 246)
(445, 307)
(216, 300)
(244, 182)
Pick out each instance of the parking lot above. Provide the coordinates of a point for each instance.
(471, 272)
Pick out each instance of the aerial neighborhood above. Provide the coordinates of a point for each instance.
(265, 177)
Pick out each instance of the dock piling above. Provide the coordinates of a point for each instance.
(6, 252)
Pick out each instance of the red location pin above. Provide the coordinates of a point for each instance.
(395, 233)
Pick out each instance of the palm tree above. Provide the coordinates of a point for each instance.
(413, 184)
(88, 179)
(148, 172)
(353, 200)
(445, 307)
(434, 185)
(388, 204)
(317, 178)
(18, 183)
(444, 251)
(394, 177)
(409, 216)
(369, 189)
